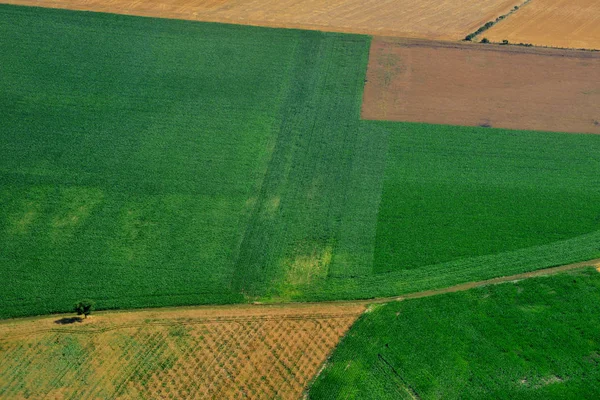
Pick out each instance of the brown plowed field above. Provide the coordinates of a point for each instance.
(220, 353)
(557, 23)
(449, 19)
(486, 85)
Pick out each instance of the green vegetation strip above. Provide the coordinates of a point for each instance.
(536, 338)
(132, 152)
(148, 162)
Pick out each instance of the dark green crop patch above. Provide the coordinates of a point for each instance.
(533, 339)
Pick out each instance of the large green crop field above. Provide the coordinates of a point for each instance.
(533, 339)
(148, 162)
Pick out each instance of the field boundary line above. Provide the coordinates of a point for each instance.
(294, 316)
(566, 52)
(494, 281)
(488, 25)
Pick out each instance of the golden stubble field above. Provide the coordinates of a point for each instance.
(554, 23)
(220, 352)
(449, 19)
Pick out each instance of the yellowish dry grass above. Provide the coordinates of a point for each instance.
(555, 23)
(219, 352)
(449, 19)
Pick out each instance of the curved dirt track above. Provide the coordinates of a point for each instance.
(494, 281)
(448, 20)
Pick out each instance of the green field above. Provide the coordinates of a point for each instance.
(148, 162)
(533, 339)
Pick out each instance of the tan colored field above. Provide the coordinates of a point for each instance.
(219, 352)
(449, 19)
(556, 23)
(485, 85)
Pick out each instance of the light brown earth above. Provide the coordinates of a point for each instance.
(219, 352)
(434, 19)
(556, 23)
(487, 85)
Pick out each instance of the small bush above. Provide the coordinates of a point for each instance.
(485, 40)
(84, 307)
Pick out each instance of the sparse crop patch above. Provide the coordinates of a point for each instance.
(220, 353)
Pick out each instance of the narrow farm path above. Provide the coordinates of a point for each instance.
(494, 281)
(129, 317)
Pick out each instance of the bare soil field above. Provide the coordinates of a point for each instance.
(556, 23)
(218, 352)
(449, 20)
(483, 85)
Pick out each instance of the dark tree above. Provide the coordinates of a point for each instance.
(84, 307)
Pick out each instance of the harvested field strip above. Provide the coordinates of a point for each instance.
(449, 20)
(479, 85)
(257, 352)
(555, 23)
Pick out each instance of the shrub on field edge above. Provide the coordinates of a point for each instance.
(84, 307)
